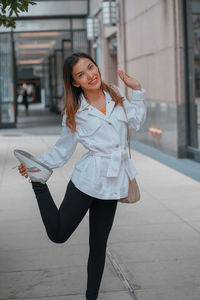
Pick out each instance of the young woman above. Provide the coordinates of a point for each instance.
(93, 116)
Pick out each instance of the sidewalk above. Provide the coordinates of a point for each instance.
(154, 246)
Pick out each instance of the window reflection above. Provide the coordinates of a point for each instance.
(6, 80)
(196, 41)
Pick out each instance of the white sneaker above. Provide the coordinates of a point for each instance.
(36, 170)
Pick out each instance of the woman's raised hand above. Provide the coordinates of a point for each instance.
(129, 81)
(22, 170)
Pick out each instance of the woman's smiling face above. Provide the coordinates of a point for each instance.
(86, 75)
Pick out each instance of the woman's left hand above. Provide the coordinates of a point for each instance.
(129, 81)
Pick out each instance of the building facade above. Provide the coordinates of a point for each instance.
(157, 42)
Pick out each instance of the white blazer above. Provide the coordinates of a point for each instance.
(104, 170)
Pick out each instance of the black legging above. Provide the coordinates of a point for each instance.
(60, 224)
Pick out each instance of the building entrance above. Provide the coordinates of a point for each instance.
(36, 49)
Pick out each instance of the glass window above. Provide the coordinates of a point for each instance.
(59, 79)
(67, 48)
(80, 42)
(6, 80)
(196, 64)
(52, 80)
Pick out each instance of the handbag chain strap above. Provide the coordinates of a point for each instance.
(128, 132)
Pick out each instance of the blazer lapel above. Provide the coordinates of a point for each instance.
(96, 112)
(84, 105)
(109, 105)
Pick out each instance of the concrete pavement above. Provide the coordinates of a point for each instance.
(154, 245)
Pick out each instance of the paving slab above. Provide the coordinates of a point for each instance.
(158, 250)
(52, 282)
(116, 295)
(165, 274)
(153, 232)
(178, 293)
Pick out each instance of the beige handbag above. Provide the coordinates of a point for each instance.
(133, 191)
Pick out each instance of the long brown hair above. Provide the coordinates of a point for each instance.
(72, 93)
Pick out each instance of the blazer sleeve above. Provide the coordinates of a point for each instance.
(62, 150)
(136, 109)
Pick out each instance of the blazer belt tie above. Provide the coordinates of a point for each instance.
(116, 157)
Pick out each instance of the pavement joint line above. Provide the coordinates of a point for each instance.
(121, 274)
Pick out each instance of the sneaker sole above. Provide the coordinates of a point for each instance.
(20, 154)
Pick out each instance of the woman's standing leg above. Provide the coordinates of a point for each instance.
(60, 223)
(101, 218)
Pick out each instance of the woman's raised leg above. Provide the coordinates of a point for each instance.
(60, 223)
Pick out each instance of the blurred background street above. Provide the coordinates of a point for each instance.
(154, 247)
